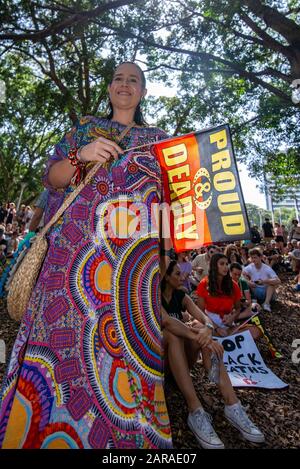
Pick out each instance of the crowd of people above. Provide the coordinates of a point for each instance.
(15, 225)
(87, 367)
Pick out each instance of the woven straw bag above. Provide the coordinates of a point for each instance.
(25, 277)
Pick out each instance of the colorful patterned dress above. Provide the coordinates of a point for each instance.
(86, 368)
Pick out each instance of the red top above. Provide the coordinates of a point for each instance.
(221, 304)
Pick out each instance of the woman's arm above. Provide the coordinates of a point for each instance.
(177, 327)
(231, 317)
(274, 282)
(60, 174)
(195, 311)
(200, 303)
(202, 335)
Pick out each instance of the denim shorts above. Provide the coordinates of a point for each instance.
(260, 292)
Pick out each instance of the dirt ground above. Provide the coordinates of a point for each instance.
(276, 412)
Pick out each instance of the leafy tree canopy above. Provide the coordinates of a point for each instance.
(229, 60)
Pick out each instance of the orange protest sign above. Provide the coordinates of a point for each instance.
(202, 186)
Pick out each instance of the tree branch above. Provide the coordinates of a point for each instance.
(267, 40)
(236, 33)
(77, 18)
(275, 20)
(275, 73)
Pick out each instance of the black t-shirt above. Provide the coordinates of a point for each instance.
(10, 216)
(268, 228)
(3, 214)
(174, 308)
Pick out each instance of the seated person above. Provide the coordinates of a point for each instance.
(3, 240)
(12, 244)
(232, 253)
(273, 255)
(294, 243)
(261, 278)
(182, 346)
(295, 263)
(244, 255)
(220, 297)
(201, 263)
(8, 230)
(247, 307)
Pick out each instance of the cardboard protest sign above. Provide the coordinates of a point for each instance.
(245, 365)
(202, 187)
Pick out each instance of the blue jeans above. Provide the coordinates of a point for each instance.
(260, 293)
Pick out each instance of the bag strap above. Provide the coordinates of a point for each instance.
(79, 188)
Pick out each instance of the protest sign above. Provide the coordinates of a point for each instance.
(201, 185)
(245, 365)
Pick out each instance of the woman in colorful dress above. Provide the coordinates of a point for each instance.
(86, 369)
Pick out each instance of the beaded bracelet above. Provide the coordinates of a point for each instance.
(74, 158)
(79, 165)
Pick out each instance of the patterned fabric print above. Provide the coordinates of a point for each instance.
(86, 368)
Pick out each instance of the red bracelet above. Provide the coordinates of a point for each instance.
(73, 157)
(79, 165)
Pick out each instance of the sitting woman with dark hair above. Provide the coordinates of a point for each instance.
(220, 297)
(182, 345)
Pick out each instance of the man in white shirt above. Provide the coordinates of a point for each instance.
(201, 262)
(261, 279)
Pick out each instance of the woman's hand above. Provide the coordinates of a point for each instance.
(216, 348)
(186, 316)
(203, 337)
(222, 331)
(228, 319)
(101, 150)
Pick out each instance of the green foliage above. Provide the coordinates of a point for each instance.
(284, 216)
(28, 125)
(228, 61)
(283, 172)
(257, 215)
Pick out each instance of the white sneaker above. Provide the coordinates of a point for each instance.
(267, 307)
(200, 424)
(237, 416)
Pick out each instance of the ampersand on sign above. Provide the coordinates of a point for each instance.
(202, 187)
